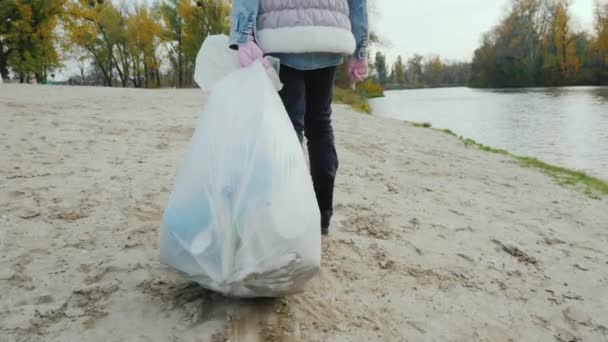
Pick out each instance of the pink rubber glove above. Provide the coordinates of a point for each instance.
(357, 70)
(250, 52)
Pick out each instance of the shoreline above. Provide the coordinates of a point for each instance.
(593, 186)
(431, 239)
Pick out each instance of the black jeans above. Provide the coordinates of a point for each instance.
(307, 96)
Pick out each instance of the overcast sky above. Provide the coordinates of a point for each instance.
(450, 28)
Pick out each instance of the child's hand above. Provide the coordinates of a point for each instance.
(250, 52)
(357, 70)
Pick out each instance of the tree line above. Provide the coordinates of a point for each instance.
(113, 43)
(536, 45)
(137, 44)
(419, 72)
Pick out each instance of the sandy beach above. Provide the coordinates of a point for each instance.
(432, 240)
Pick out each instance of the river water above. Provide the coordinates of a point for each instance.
(563, 126)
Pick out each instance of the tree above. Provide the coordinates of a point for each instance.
(414, 70)
(173, 36)
(8, 13)
(433, 71)
(456, 74)
(564, 41)
(398, 72)
(535, 45)
(513, 53)
(601, 29)
(483, 73)
(201, 18)
(381, 68)
(600, 44)
(28, 38)
(125, 42)
(88, 25)
(522, 49)
(143, 39)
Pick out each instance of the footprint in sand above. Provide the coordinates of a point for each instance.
(45, 299)
(563, 335)
(391, 189)
(257, 320)
(162, 146)
(19, 278)
(381, 258)
(85, 305)
(367, 222)
(148, 212)
(38, 300)
(71, 216)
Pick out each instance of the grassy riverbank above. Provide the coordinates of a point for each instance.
(358, 98)
(353, 98)
(592, 186)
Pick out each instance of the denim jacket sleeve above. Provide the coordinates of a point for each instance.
(244, 14)
(359, 23)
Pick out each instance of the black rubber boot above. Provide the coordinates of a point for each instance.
(325, 222)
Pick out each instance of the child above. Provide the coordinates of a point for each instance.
(309, 37)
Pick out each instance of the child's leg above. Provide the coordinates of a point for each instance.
(293, 96)
(320, 136)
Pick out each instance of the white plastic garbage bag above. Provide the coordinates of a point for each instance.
(215, 60)
(243, 218)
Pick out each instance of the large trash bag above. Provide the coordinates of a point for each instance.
(243, 218)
